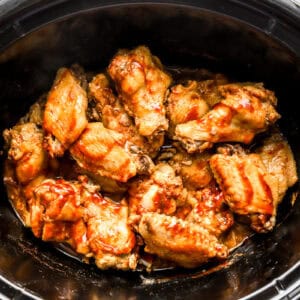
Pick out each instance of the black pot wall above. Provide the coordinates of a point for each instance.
(259, 41)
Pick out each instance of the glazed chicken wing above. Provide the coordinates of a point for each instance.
(209, 89)
(110, 237)
(115, 117)
(65, 112)
(26, 151)
(210, 210)
(184, 104)
(142, 85)
(245, 111)
(185, 243)
(247, 187)
(56, 213)
(278, 159)
(105, 152)
(194, 169)
(158, 193)
(75, 213)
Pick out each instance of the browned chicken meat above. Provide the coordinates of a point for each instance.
(159, 193)
(26, 151)
(109, 235)
(194, 169)
(169, 195)
(185, 104)
(210, 210)
(115, 117)
(65, 112)
(107, 153)
(142, 85)
(209, 89)
(247, 187)
(183, 242)
(278, 159)
(244, 111)
(75, 213)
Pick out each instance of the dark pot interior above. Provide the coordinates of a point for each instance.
(181, 35)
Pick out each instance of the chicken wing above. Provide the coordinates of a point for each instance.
(158, 193)
(210, 211)
(56, 213)
(75, 213)
(185, 243)
(110, 237)
(115, 117)
(194, 169)
(278, 159)
(25, 143)
(184, 104)
(209, 89)
(105, 152)
(65, 112)
(245, 111)
(143, 85)
(247, 187)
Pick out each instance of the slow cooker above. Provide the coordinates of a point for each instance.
(250, 40)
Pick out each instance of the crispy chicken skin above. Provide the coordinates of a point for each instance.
(185, 243)
(158, 193)
(26, 151)
(142, 85)
(244, 111)
(278, 159)
(65, 112)
(185, 104)
(247, 187)
(105, 152)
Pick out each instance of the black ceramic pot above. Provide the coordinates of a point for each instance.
(250, 40)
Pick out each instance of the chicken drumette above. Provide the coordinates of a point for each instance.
(142, 85)
(244, 111)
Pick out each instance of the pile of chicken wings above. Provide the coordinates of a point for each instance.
(130, 163)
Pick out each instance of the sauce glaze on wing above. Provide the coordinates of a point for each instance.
(127, 166)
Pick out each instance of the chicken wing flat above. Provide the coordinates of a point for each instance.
(185, 243)
(245, 111)
(185, 104)
(278, 159)
(158, 193)
(142, 85)
(65, 112)
(105, 152)
(247, 187)
(26, 151)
